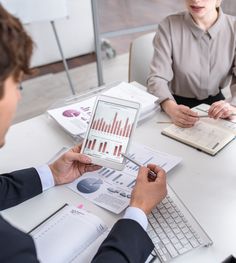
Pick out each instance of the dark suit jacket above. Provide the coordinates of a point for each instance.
(15, 246)
(16, 187)
(127, 241)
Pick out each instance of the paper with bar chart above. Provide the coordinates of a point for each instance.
(110, 131)
(111, 189)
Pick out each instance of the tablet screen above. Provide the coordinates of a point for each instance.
(110, 131)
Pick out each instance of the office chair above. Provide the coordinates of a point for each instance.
(229, 7)
(140, 55)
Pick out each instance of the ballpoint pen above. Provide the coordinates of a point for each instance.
(199, 116)
(169, 121)
(207, 116)
(151, 175)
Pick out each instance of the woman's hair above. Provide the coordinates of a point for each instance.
(16, 48)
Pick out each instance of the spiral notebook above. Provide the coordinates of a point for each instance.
(70, 234)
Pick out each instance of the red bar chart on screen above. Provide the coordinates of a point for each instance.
(110, 130)
(115, 127)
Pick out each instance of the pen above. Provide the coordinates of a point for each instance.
(199, 116)
(164, 122)
(203, 116)
(151, 175)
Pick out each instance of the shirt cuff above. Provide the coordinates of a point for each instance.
(137, 215)
(46, 176)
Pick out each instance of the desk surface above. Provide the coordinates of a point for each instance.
(206, 184)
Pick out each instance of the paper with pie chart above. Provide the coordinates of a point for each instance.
(73, 114)
(74, 118)
(111, 189)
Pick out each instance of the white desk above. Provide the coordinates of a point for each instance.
(206, 184)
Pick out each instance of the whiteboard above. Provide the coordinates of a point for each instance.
(29, 11)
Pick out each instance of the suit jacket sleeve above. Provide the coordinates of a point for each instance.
(126, 242)
(15, 245)
(18, 186)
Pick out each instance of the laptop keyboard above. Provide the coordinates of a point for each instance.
(170, 231)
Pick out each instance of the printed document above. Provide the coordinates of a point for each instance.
(112, 189)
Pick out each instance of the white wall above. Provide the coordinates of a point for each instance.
(75, 33)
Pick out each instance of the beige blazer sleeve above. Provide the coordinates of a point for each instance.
(233, 83)
(161, 72)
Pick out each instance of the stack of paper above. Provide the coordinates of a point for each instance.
(127, 91)
(74, 118)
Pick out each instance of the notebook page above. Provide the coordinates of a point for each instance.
(67, 234)
(89, 253)
(203, 136)
(229, 124)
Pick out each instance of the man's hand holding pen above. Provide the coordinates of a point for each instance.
(151, 174)
(146, 195)
(150, 186)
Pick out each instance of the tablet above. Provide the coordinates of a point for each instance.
(110, 130)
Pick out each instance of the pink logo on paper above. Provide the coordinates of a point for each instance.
(71, 113)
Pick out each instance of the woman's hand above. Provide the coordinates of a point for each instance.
(181, 115)
(220, 109)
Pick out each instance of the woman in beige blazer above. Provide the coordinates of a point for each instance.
(194, 58)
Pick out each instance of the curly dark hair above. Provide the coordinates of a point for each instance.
(16, 48)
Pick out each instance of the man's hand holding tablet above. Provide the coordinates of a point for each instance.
(110, 130)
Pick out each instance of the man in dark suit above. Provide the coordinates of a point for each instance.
(127, 241)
